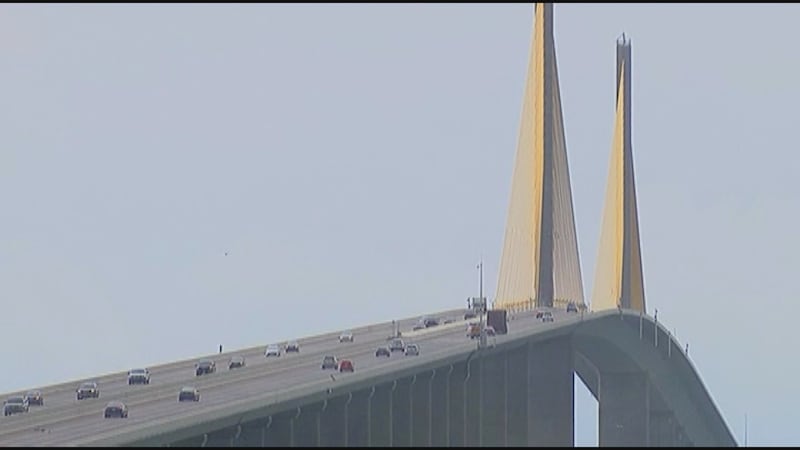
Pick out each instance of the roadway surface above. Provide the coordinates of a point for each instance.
(65, 421)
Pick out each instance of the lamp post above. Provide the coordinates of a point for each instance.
(480, 269)
(482, 309)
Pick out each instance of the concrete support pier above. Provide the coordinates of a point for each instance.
(624, 414)
(551, 391)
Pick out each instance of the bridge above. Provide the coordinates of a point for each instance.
(513, 389)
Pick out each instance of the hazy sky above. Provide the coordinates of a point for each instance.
(355, 162)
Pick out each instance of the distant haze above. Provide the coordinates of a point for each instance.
(355, 163)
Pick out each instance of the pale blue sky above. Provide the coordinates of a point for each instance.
(356, 162)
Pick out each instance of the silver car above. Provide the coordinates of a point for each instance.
(412, 350)
(15, 405)
(188, 394)
(273, 350)
(346, 336)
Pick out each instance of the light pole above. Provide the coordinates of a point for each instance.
(482, 304)
(480, 270)
(745, 429)
(655, 328)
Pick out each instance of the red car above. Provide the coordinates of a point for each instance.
(346, 365)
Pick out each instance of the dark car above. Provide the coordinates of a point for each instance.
(15, 405)
(88, 390)
(115, 409)
(397, 345)
(138, 376)
(430, 322)
(412, 350)
(383, 351)
(189, 394)
(205, 367)
(330, 362)
(35, 398)
(292, 347)
(572, 307)
(236, 362)
(346, 366)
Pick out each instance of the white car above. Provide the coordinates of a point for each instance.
(273, 350)
(346, 336)
(138, 376)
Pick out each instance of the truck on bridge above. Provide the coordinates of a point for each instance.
(497, 319)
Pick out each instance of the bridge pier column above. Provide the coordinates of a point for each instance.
(306, 426)
(358, 413)
(551, 393)
(219, 438)
(380, 415)
(624, 414)
(401, 413)
(421, 410)
(472, 403)
(681, 440)
(278, 431)
(493, 403)
(456, 402)
(440, 407)
(252, 434)
(663, 429)
(333, 422)
(517, 397)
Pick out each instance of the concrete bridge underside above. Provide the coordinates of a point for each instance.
(518, 393)
(501, 399)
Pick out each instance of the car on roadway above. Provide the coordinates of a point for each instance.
(189, 394)
(419, 325)
(397, 345)
(346, 336)
(115, 409)
(34, 398)
(292, 347)
(572, 307)
(539, 314)
(470, 315)
(430, 322)
(88, 389)
(272, 350)
(330, 362)
(346, 365)
(383, 351)
(138, 376)
(412, 350)
(15, 405)
(205, 367)
(547, 316)
(236, 362)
